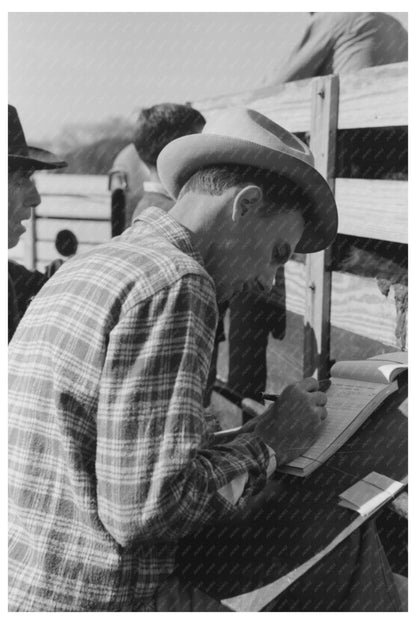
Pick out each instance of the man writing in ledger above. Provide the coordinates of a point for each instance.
(110, 461)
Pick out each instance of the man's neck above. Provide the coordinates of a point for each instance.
(204, 216)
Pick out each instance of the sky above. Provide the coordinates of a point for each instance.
(69, 68)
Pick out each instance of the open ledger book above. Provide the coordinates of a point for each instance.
(357, 388)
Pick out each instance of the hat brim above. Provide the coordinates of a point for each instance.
(37, 159)
(181, 158)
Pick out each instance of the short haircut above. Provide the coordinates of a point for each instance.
(159, 125)
(276, 188)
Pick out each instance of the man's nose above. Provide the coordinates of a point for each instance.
(33, 197)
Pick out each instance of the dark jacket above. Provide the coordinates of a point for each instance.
(23, 286)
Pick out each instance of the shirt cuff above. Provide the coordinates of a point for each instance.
(271, 467)
(233, 491)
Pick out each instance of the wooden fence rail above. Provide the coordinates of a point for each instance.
(371, 98)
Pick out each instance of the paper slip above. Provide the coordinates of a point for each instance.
(369, 493)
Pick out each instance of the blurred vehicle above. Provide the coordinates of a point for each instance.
(125, 183)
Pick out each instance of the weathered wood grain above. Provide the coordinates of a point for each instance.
(288, 105)
(373, 208)
(72, 184)
(318, 276)
(65, 206)
(357, 305)
(370, 98)
(86, 231)
(374, 97)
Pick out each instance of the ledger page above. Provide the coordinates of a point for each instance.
(346, 400)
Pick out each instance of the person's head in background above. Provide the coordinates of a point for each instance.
(23, 161)
(159, 125)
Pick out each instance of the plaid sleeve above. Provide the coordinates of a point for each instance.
(155, 479)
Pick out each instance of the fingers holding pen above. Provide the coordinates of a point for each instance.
(320, 398)
(322, 413)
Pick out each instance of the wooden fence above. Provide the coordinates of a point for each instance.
(372, 208)
(369, 208)
(80, 203)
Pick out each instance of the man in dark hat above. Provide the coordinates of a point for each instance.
(23, 161)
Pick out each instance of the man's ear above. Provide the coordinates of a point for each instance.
(249, 198)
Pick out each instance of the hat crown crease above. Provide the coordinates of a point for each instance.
(249, 125)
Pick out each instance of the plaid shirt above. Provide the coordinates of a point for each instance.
(110, 459)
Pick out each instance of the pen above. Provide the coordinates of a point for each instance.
(268, 397)
(324, 384)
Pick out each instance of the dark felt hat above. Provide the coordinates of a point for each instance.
(22, 155)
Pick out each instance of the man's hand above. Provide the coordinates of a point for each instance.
(291, 425)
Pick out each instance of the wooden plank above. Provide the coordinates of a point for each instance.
(72, 184)
(370, 98)
(357, 305)
(374, 97)
(318, 275)
(85, 231)
(75, 207)
(373, 208)
(288, 105)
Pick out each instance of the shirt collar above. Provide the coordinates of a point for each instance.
(150, 186)
(170, 229)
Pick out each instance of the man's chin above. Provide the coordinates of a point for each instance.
(14, 237)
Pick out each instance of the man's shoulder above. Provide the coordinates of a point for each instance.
(342, 21)
(131, 270)
(335, 22)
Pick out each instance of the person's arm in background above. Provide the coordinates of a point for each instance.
(306, 57)
(156, 477)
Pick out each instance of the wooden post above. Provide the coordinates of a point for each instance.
(325, 92)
